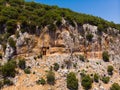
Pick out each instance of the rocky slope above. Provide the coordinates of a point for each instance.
(76, 47)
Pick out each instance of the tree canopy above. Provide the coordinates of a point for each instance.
(31, 14)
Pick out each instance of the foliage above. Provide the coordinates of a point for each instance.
(31, 14)
(81, 57)
(110, 70)
(100, 28)
(7, 82)
(86, 82)
(17, 34)
(41, 81)
(50, 78)
(72, 81)
(89, 37)
(56, 66)
(96, 77)
(11, 26)
(115, 86)
(8, 69)
(22, 64)
(105, 79)
(27, 71)
(11, 42)
(105, 56)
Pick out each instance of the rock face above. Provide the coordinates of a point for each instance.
(21, 40)
(74, 39)
(9, 52)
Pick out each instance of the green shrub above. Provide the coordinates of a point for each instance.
(11, 42)
(110, 70)
(86, 82)
(41, 81)
(96, 77)
(105, 79)
(100, 28)
(81, 57)
(27, 71)
(50, 78)
(56, 66)
(105, 56)
(7, 82)
(89, 37)
(72, 81)
(17, 34)
(115, 86)
(22, 64)
(75, 65)
(8, 69)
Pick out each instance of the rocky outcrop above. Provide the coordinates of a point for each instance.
(9, 52)
(21, 40)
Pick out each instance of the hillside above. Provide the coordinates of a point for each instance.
(50, 48)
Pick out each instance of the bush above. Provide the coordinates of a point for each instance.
(81, 57)
(17, 34)
(72, 81)
(22, 64)
(110, 70)
(56, 66)
(11, 42)
(86, 82)
(115, 86)
(7, 82)
(51, 78)
(96, 77)
(8, 69)
(89, 37)
(100, 28)
(27, 71)
(105, 79)
(105, 56)
(41, 81)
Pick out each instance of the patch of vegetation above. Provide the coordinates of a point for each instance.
(17, 34)
(72, 81)
(87, 82)
(96, 77)
(31, 14)
(115, 86)
(8, 69)
(105, 56)
(11, 42)
(27, 71)
(50, 78)
(89, 37)
(82, 58)
(7, 81)
(56, 66)
(22, 64)
(105, 79)
(110, 70)
(41, 81)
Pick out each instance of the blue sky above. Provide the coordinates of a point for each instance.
(107, 9)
